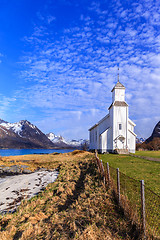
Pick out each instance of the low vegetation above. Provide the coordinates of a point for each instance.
(137, 168)
(75, 206)
(153, 145)
(152, 154)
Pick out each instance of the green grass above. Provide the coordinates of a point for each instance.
(139, 169)
(153, 154)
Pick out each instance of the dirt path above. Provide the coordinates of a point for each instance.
(146, 158)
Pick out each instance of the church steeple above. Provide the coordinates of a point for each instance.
(118, 91)
(118, 74)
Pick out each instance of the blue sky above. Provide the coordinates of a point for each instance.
(58, 62)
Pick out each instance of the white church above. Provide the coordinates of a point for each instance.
(115, 132)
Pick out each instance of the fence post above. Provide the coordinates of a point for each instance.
(143, 210)
(118, 186)
(96, 153)
(104, 179)
(108, 174)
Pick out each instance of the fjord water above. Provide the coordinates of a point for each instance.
(15, 152)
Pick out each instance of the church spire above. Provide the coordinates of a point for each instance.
(118, 74)
(118, 84)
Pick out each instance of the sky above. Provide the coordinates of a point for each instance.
(59, 62)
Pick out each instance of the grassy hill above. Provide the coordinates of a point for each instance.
(139, 169)
(75, 206)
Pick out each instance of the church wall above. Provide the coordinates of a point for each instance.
(118, 95)
(104, 125)
(93, 138)
(130, 127)
(103, 145)
(131, 142)
(110, 136)
(120, 125)
(109, 142)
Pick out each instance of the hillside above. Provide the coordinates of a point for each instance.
(22, 134)
(153, 142)
(75, 206)
(155, 133)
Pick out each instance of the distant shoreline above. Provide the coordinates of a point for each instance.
(17, 152)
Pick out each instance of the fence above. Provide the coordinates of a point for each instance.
(139, 203)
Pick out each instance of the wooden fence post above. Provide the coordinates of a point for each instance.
(143, 215)
(96, 153)
(108, 175)
(118, 186)
(104, 179)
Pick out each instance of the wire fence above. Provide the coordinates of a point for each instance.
(140, 204)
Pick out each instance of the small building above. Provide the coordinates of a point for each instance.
(115, 132)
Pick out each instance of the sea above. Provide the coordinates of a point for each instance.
(16, 152)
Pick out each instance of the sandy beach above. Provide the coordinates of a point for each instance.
(16, 188)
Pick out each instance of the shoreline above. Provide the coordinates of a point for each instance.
(16, 188)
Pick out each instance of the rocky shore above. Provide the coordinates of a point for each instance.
(21, 185)
(14, 170)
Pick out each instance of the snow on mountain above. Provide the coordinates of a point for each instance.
(140, 140)
(22, 134)
(59, 139)
(54, 138)
(18, 126)
(15, 127)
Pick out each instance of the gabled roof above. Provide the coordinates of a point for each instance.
(105, 130)
(95, 125)
(131, 122)
(118, 85)
(118, 104)
(132, 132)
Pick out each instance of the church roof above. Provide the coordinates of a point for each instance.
(118, 104)
(95, 125)
(118, 85)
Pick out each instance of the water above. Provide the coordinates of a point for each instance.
(15, 152)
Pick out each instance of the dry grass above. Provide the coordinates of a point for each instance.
(76, 206)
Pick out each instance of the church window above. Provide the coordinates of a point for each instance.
(120, 126)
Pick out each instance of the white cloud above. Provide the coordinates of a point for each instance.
(76, 71)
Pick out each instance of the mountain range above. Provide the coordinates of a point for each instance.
(24, 134)
(153, 142)
(155, 133)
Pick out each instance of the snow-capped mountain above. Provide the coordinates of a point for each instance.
(70, 143)
(22, 134)
(140, 140)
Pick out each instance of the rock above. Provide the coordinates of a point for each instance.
(14, 170)
(27, 171)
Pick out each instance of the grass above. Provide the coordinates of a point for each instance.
(132, 169)
(139, 169)
(152, 154)
(75, 206)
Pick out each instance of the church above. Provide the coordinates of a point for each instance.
(115, 132)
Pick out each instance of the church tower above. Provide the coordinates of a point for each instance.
(114, 132)
(119, 117)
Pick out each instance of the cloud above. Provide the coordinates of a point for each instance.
(75, 71)
(50, 19)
